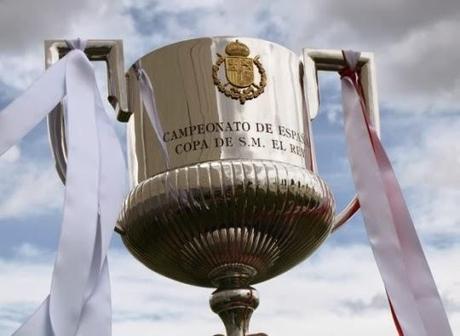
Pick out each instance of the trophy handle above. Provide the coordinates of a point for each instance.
(110, 51)
(332, 60)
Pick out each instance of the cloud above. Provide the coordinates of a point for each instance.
(420, 76)
(337, 289)
(30, 23)
(394, 19)
(12, 155)
(31, 189)
(414, 41)
(361, 306)
(428, 168)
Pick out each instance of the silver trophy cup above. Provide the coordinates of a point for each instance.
(225, 191)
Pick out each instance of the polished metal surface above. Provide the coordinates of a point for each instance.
(202, 124)
(235, 307)
(228, 223)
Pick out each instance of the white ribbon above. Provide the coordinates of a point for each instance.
(79, 300)
(148, 99)
(410, 286)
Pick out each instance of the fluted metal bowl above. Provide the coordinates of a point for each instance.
(229, 220)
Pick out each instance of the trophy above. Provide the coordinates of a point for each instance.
(225, 190)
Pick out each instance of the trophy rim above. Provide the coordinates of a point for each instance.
(175, 44)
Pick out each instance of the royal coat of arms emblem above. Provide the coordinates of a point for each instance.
(239, 72)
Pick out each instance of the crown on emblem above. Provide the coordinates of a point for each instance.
(237, 49)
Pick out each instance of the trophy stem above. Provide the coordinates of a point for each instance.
(235, 307)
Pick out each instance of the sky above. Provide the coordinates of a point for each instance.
(338, 291)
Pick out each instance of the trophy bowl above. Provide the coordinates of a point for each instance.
(224, 191)
(231, 201)
(227, 223)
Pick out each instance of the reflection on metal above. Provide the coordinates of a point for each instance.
(238, 222)
(235, 307)
(240, 201)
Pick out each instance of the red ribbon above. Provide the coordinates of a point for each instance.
(415, 303)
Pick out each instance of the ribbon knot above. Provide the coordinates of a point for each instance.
(351, 65)
(78, 44)
(138, 70)
(349, 73)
